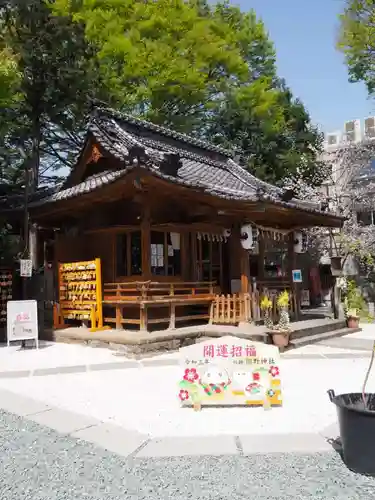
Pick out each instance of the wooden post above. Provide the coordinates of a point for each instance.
(292, 265)
(172, 318)
(245, 272)
(146, 243)
(143, 318)
(194, 256)
(261, 255)
(99, 292)
(235, 252)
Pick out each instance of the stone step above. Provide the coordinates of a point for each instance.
(313, 339)
(304, 329)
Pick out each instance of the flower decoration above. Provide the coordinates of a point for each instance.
(183, 395)
(256, 376)
(253, 388)
(270, 393)
(274, 371)
(191, 375)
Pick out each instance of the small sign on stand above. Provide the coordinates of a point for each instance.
(22, 321)
(26, 268)
(305, 298)
(297, 275)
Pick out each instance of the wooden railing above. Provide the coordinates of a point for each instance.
(146, 302)
(233, 309)
(139, 297)
(142, 290)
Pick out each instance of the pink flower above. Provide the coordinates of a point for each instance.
(256, 376)
(191, 375)
(274, 371)
(183, 395)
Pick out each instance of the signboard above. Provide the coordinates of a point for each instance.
(229, 371)
(22, 321)
(336, 267)
(297, 275)
(305, 297)
(26, 268)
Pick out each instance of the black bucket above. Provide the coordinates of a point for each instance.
(357, 430)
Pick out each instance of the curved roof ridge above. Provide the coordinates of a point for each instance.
(250, 179)
(180, 136)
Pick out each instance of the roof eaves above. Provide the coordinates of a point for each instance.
(90, 184)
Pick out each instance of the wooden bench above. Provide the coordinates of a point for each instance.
(147, 295)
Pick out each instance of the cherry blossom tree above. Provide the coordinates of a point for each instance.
(348, 190)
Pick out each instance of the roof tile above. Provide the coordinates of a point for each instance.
(223, 178)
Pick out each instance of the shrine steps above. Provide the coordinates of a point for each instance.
(313, 327)
(319, 337)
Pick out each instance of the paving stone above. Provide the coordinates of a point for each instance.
(15, 374)
(20, 405)
(113, 365)
(112, 438)
(64, 421)
(189, 446)
(284, 443)
(59, 369)
(160, 362)
(349, 343)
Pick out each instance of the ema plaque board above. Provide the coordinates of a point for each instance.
(230, 372)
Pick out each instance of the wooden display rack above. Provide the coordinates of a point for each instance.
(80, 294)
(6, 293)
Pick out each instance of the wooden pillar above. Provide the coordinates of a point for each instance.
(245, 271)
(235, 252)
(294, 286)
(261, 255)
(193, 256)
(186, 257)
(146, 242)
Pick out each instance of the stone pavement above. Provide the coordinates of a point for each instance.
(37, 463)
(59, 358)
(130, 407)
(127, 442)
(360, 341)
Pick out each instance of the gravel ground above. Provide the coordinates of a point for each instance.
(39, 464)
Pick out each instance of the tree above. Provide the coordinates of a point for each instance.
(357, 41)
(204, 69)
(172, 61)
(349, 192)
(9, 78)
(57, 81)
(271, 132)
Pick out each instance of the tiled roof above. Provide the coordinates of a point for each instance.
(203, 166)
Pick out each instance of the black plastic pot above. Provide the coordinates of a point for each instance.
(357, 430)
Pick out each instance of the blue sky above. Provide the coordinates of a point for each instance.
(304, 34)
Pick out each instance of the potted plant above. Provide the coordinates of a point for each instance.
(265, 307)
(356, 415)
(354, 305)
(281, 331)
